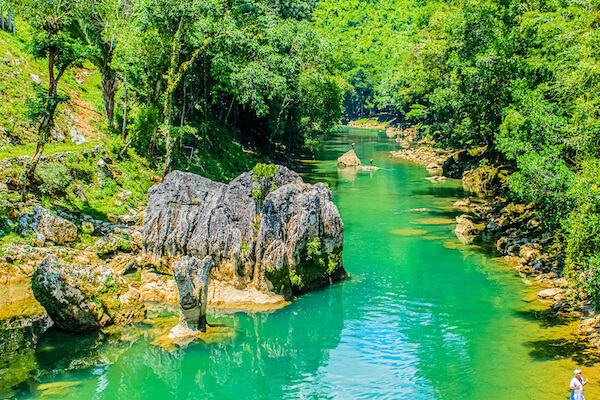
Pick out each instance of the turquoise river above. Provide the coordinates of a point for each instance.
(422, 317)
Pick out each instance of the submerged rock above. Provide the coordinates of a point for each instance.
(368, 168)
(550, 293)
(18, 338)
(348, 159)
(271, 232)
(82, 299)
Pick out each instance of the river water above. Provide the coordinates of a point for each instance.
(422, 317)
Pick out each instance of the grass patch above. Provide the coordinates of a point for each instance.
(51, 148)
(18, 69)
(372, 122)
(11, 238)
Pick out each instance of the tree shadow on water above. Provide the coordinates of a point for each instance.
(574, 348)
(545, 318)
(439, 191)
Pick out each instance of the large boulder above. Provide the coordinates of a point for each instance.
(270, 231)
(300, 239)
(80, 299)
(48, 226)
(348, 159)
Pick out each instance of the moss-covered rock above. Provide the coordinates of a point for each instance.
(81, 298)
(48, 226)
(485, 179)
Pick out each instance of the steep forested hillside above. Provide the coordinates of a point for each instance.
(183, 83)
(134, 89)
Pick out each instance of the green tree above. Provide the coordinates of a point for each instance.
(98, 28)
(50, 20)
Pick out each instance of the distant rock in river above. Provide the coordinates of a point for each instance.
(348, 159)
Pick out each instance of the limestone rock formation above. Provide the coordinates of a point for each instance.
(191, 276)
(270, 232)
(47, 226)
(80, 299)
(550, 293)
(348, 159)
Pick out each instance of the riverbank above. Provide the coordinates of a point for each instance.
(367, 124)
(511, 229)
(420, 304)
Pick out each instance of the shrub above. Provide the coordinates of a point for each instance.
(81, 168)
(54, 178)
(582, 227)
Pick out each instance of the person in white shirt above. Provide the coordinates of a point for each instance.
(576, 386)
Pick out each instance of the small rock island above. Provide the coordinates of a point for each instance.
(267, 232)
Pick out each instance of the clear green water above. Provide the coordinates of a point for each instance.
(423, 317)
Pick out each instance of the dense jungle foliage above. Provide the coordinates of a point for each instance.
(206, 86)
(522, 78)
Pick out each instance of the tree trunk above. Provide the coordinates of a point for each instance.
(169, 146)
(45, 123)
(43, 136)
(152, 146)
(109, 88)
(124, 127)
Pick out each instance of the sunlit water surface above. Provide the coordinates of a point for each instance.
(422, 317)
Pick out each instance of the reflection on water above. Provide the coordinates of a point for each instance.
(269, 353)
(422, 317)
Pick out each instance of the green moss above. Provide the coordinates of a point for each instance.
(11, 238)
(86, 239)
(117, 244)
(280, 278)
(334, 262)
(245, 249)
(318, 265)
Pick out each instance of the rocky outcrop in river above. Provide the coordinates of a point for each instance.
(80, 298)
(266, 230)
(348, 159)
(191, 276)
